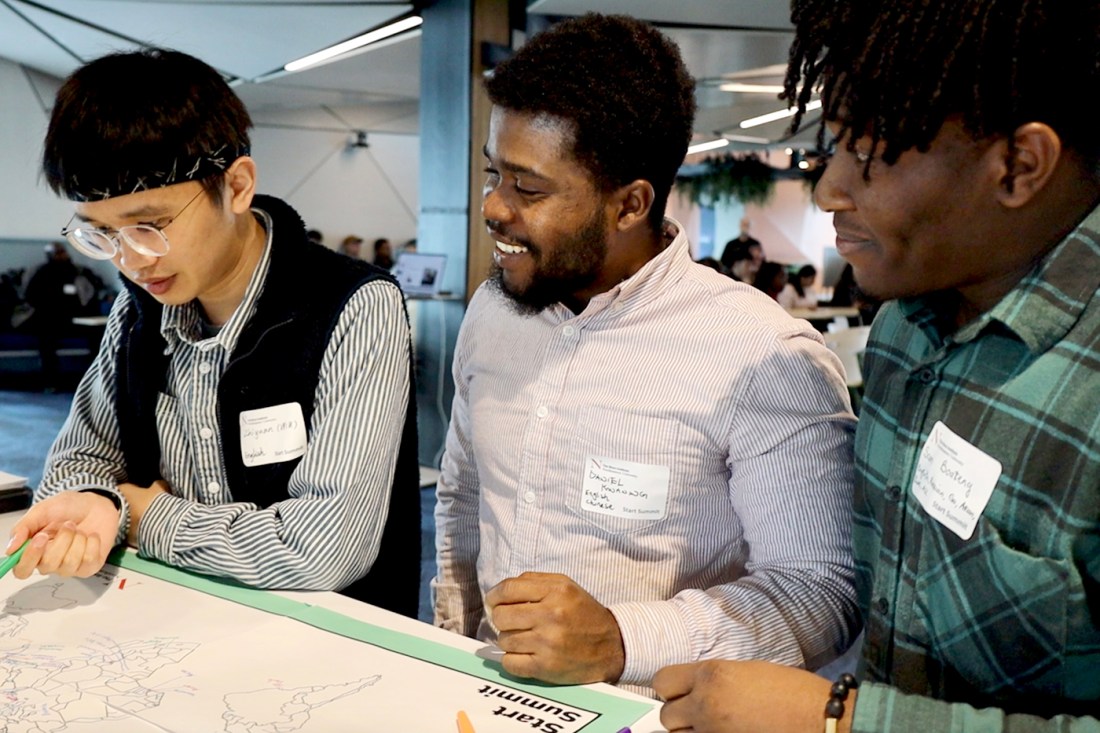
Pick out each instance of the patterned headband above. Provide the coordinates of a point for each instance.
(176, 170)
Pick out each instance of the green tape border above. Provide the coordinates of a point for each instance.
(615, 712)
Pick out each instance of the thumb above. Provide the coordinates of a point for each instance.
(19, 535)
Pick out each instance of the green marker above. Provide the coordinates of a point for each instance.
(13, 559)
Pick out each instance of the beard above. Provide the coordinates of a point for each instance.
(573, 263)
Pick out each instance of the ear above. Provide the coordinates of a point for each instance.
(1028, 168)
(634, 200)
(241, 179)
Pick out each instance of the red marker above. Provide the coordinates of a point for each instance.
(122, 584)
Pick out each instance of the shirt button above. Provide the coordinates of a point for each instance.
(542, 412)
(893, 493)
(205, 433)
(529, 496)
(926, 376)
(204, 368)
(568, 331)
(213, 487)
(882, 605)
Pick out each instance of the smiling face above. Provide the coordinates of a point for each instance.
(549, 219)
(212, 247)
(920, 225)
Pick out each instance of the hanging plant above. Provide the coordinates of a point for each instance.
(725, 178)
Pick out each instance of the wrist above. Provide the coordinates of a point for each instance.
(838, 718)
(120, 505)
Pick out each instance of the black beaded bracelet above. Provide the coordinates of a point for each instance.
(834, 709)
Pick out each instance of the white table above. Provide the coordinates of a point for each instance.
(346, 606)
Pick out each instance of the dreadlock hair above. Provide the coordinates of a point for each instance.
(622, 87)
(895, 71)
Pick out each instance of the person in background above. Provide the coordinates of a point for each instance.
(743, 242)
(770, 279)
(847, 294)
(711, 263)
(315, 236)
(799, 290)
(251, 412)
(352, 246)
(599, 521)
(743, 266)
(965, 191)
(383, 253)
(53, 294)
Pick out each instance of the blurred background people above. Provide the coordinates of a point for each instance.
(743, 242)
(58, 292)
(771, 278)
(352, 246)
(383, 253)
(799, 292)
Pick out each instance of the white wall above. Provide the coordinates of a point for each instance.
(28, 209)
(341, 190)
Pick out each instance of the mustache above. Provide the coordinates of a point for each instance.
(497, 228)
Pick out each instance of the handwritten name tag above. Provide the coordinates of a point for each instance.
(624, 489)
(272, 434)
(954, 480)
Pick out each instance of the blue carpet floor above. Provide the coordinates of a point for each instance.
(29, 421)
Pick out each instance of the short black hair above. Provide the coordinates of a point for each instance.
(622, 86)
(125, 114)
(896, 71)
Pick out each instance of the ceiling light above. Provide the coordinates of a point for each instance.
(773, 116)
(737, 86)
(712, 145)
(358, 42)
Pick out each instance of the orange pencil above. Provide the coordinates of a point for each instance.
(464, 724)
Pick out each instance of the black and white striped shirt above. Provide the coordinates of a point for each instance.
(338, 492)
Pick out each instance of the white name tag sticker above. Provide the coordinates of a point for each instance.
(954, 480)
(624, 489)
(272, 434)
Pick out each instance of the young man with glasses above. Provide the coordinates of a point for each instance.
(250, 413)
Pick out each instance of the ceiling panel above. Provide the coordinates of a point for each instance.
(245, 40)
(722, 13)
(379, 87)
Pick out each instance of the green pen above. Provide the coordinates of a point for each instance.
(13, 559)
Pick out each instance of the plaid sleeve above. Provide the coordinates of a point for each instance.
(882, 709)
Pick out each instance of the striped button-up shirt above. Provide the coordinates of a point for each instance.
(725, 531)
(1007, 619)
(339, 491)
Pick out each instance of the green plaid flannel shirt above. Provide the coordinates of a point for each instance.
(1001, 631)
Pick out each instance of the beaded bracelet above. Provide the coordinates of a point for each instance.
(834, 709)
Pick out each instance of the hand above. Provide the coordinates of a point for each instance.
(552, 630)
(741, 697)
(139, 498)
(72, 534)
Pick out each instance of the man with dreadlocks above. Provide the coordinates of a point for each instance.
(965, 188)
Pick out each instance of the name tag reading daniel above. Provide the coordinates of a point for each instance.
(624, 489)
(272, 434)
(954, 480)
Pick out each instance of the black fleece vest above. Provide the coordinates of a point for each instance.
(277, 360)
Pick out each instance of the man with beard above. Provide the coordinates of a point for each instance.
(646, 461)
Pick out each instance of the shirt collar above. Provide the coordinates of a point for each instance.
(648, 282)
(181, 324)
(1046, 302)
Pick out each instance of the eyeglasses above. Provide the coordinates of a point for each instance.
(146, 239)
